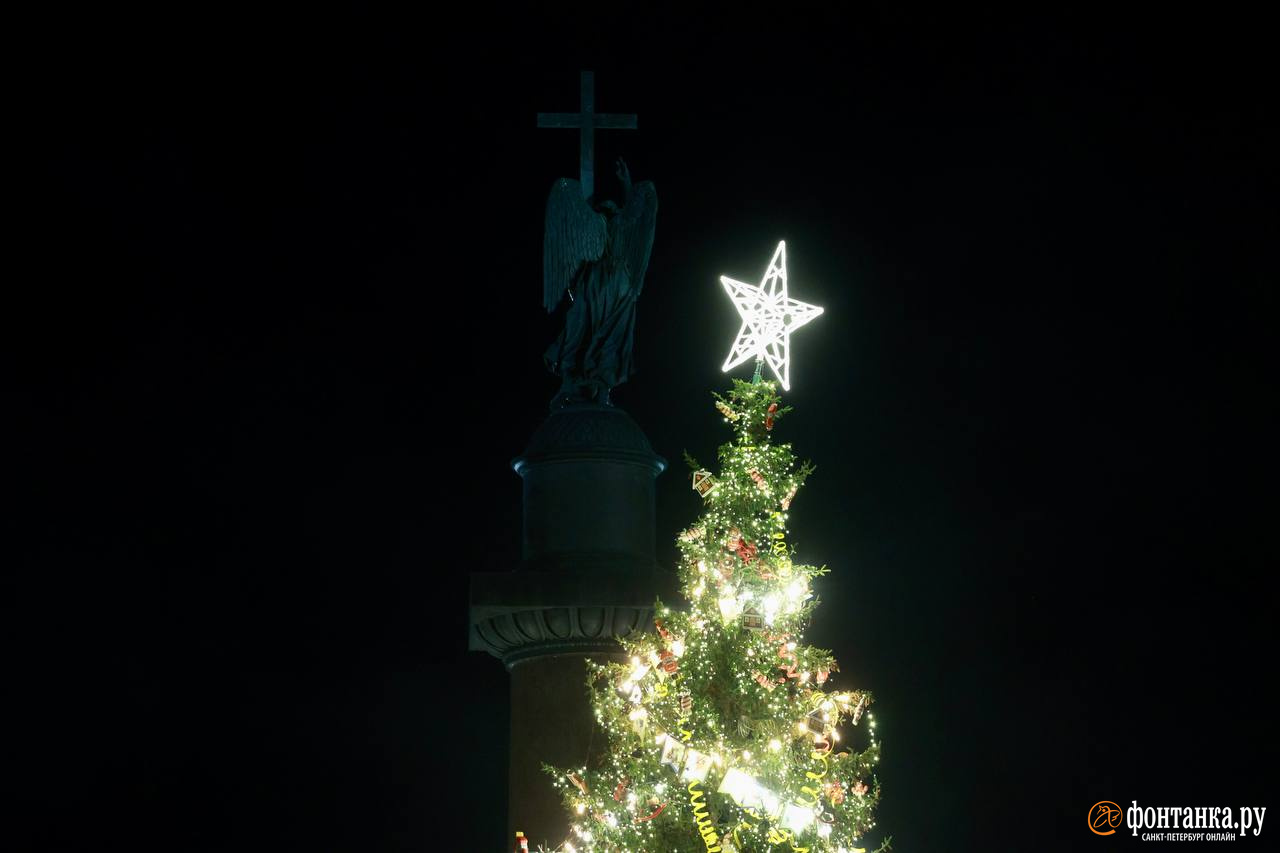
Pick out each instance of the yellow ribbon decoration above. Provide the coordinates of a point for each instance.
(705, 828)
(780, 836)
(685, 734)
(814, 792)
(784, 836)
(780, 551)
(737, 830)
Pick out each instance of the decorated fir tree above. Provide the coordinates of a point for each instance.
(724, 731)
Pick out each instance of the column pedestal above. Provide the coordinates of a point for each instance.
(587, 577)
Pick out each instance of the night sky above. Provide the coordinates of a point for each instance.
(283, 336)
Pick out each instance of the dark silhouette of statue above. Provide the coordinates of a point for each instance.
(595, 254)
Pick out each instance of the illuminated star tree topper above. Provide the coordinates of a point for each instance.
(769, 316)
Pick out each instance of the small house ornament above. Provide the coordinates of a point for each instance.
(752, 619)
(703, 482)
(814, 720)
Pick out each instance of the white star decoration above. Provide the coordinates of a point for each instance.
(768, 318)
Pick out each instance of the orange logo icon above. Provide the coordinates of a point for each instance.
(1105, 815)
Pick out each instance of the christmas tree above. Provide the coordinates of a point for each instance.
(724, 732)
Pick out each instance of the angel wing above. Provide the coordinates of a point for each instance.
(574, 235)
(631, 232)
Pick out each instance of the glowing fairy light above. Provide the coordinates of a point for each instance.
(769, 316)
(738, 785)
(772, 604)
(798, 590)
(796, 817)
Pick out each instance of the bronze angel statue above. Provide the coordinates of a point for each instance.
(594, 254)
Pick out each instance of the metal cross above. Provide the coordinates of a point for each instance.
(587, 121)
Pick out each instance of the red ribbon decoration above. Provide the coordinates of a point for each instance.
(656, 812)
(746, 550)
(768, 418)
(622, 786)
(789, 668)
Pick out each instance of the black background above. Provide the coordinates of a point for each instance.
(282, 336)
